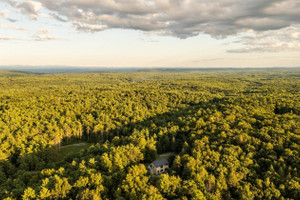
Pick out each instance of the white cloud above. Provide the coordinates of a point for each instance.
(288, 39)
(5, 26)
(5, 15)
(89, 27)
(44, 35)
(3, 37)
(27, 7)
(179, 18)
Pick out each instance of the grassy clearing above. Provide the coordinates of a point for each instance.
(160, 157)
(165, 155)
(67, 150)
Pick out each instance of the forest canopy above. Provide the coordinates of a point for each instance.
(233, 134)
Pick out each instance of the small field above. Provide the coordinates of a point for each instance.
(165, 155)
(73, 148)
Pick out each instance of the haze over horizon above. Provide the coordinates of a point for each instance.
(150, 33)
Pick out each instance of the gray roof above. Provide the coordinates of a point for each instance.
(160, 162)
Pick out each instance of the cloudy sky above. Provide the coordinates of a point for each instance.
(150, 33)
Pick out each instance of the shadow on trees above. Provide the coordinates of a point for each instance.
(165, 123)
(20, 170)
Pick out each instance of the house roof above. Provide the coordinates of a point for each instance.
(160, 162)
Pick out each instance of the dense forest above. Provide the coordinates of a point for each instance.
(234, 135)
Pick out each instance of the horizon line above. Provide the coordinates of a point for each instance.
(135, 67)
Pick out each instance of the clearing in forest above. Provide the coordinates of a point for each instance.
(70, 149)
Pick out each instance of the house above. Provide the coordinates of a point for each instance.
(158, 167)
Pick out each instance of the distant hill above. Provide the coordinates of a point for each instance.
(4, 73)
(66, 69)
(186, 70)
(70, 69)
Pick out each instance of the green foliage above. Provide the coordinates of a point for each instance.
(233, 135)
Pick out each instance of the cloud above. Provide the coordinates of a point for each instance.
(44, 35)
(89, 27)
(179, 18)
(5, 26)
(27, 7)
(2, 37)
(149, 40)
(5, 38)
(41, 35)
(288, 39)
(184, 18)
(57, 17)
(5, 15)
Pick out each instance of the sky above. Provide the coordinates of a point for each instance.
(150, 33)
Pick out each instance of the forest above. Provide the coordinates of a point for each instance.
(233, 134)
